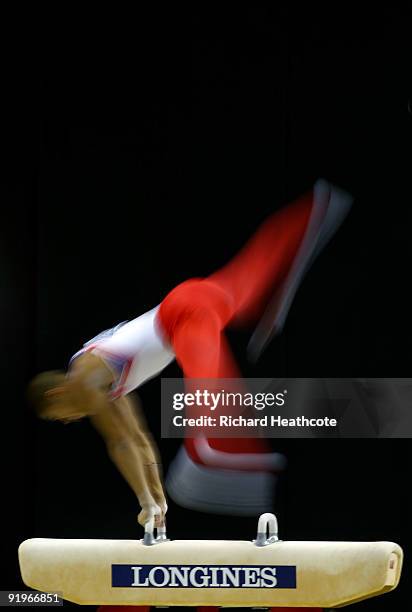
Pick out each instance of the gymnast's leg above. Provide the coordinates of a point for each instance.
(193, 315)
(238, 294)
(252, 275)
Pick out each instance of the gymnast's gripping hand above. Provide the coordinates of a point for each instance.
(156, 507)
(151, 511)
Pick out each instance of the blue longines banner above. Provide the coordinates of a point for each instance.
(204, 576)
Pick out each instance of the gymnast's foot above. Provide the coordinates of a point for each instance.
(330, 208)
(224, 486)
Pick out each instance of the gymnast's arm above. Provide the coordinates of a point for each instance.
(132, 451)
(135, 423)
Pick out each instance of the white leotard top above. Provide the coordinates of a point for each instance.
(136, 350)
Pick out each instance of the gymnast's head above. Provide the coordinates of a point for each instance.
(54, 399)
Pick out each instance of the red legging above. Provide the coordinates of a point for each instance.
(195, 314)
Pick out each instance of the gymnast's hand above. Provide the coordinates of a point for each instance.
(152, 511)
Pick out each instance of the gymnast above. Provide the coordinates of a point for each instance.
(255, 289)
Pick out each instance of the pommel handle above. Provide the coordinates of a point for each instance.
(149, 539)
(267, 531)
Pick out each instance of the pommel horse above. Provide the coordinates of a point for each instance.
(126, 575)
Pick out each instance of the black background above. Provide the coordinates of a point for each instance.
(139, 153)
